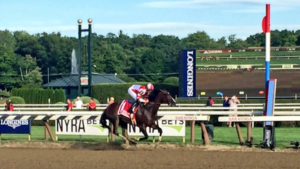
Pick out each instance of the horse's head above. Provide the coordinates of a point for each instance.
(162, 96)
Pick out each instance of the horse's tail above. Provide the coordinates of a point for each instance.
(103, 120)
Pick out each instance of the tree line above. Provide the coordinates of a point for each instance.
(26, 59)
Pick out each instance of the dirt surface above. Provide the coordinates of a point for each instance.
(46, 155)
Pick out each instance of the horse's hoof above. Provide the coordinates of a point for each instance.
(133, 142)
(136, 139)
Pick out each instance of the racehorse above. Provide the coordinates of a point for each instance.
(146, 115)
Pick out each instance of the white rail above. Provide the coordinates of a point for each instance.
(163, 105)
(257, 118)
(96, 113)
(162, 108)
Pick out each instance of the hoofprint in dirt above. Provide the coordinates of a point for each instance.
(138, 147)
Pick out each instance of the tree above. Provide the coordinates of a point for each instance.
(288, 38)
(235, 43)
(8, 78)
(7, 39)
(141, 40)
(170, 46)
(257, 40)
(298, 40)
(30, 72)
(222, 43)
(150, 66)
(34, 77)
(199, 40)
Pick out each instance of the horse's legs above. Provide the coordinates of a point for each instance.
(143, 130)
(155, 126)
(125, 132)
(115, 124)
(103, 122)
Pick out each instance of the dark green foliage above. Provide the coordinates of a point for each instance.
(40, 96)
(31, 86)
(4, 93)
(27, 58)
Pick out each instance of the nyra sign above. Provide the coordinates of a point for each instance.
(80, 127)
(169, 128)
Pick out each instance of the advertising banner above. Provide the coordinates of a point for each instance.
(80, 127)
(169, 128)
(15, 126)
(187, 73)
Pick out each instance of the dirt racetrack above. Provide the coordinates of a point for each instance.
(163, 156)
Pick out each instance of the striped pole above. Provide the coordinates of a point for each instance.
(270, 86)
(268, 43)
(266, 30)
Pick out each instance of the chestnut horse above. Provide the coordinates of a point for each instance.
(146, 115)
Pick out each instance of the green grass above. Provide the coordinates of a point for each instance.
(236, 54)
(249, 61)
(222, 136)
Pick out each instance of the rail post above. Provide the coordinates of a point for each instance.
(48, 130)
(238, 130)
(193, 131)
(205, 135)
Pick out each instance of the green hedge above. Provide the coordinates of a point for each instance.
(86, 99)
(120, 91)
(16, 100)
(40, 96)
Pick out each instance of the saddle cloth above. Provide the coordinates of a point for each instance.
(124, 108)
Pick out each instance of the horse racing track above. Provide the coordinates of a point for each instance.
(48, 155)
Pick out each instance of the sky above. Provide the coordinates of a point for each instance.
(217, 18)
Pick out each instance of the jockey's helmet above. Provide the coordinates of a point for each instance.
(150, 86)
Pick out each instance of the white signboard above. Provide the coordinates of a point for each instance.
(185, 117)
(169, 128)
(80, 127)
(84, 80)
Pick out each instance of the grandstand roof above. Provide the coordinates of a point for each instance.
(72, 80)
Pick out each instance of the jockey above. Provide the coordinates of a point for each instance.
(139, 93)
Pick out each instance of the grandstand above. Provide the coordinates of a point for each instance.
(233, 70)
(231, 82)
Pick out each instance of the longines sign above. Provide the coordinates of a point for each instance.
(188, 73)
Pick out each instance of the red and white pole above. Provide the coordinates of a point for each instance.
(266, 30)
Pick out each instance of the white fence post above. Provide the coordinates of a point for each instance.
(252, 121)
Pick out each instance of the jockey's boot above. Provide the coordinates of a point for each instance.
(132, 111)
(134, 106)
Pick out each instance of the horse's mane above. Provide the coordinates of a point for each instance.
(153, 95)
